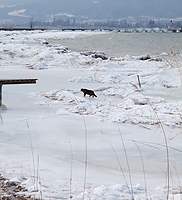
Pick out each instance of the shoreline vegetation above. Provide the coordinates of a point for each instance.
(10, 190)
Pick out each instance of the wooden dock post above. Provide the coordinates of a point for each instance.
(1, 90)
(13, 81)
(139, 81)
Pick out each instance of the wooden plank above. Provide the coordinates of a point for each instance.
(17, 81)
(14, 81)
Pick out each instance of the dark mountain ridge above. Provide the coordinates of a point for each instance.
(23, 10)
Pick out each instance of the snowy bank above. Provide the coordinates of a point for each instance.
(61, 145)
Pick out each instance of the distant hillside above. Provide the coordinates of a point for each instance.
(22, 10)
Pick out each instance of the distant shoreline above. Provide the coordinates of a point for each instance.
(123, 30)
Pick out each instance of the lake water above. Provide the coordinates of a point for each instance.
(121, 44)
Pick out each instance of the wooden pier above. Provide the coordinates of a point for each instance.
(14, 81)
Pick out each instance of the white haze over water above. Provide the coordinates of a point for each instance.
(58, 144)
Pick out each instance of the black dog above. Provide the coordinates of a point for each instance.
(89, 92)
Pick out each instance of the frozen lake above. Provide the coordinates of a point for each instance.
(57, 143)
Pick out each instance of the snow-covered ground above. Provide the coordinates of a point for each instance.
(123, 144)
